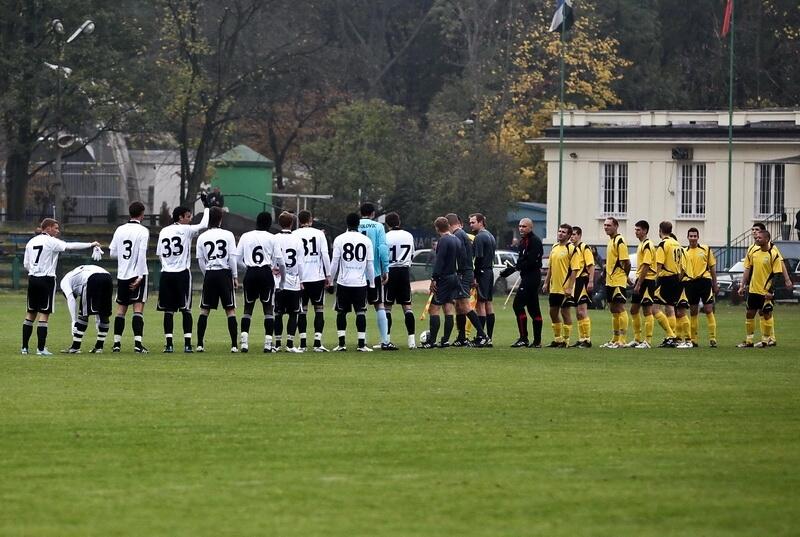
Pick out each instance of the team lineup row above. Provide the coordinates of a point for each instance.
(289, 270)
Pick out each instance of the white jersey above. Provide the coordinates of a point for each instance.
(129, 246)
(216, 250)
(401, 248)
(293, 258)
(259, 249)
(74, 283)
(174, 246)
(353, 260)
(317, 264)
(41, 254)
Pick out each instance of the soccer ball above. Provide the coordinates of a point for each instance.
(425, 336)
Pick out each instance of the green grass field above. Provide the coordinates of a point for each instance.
(458, 442)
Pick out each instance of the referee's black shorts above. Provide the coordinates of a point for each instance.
(485, 280)
(175, 291)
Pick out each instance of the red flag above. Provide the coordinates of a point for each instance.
(726, 20)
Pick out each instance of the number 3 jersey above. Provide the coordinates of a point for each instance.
(129, 246)
(293, 259)
(353, 260)
(216, 250)
(174, 246)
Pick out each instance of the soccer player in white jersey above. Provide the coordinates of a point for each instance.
(352, 266)
(174, 248)
(41, 259)
(216, 255)
(261, 254)
(94, 286)
(288, 298)
(398, 288)
(129, 246)
(315, 276)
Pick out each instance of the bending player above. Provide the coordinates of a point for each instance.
(93, 286)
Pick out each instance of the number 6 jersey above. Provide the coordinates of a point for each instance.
(174, 246)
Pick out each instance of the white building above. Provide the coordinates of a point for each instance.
(669, 165)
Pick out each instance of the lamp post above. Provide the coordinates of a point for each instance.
(63, 140)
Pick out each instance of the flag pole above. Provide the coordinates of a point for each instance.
(561, 121)
(730, 136)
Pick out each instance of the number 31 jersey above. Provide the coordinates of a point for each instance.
(174, 246)
(401, 248)
(317, 263)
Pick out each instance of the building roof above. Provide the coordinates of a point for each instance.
(242, 156)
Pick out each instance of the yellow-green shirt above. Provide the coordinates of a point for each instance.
(669, 255)
(563, 260)
(763, 265)
(645, 254)
(699, 261)
(617, 253)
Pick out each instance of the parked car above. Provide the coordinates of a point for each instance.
(730, 280)
(422, 266)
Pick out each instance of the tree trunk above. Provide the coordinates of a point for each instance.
(17, 184)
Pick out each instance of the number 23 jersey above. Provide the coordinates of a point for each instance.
(216, 250)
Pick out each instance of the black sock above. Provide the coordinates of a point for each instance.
(78, 330)
(388, 322)
(361, 327)
(448, 327)
(137, 323)
(246, 323)
(490, 325)
(278, 325)
(41, 334)
(473, 318)
(433, 326)
(119, 325)
(102, 332)
(319, 322)
(202, 322)
(187, 328)
(291, 328)
(537, 329)
(269, 324)
(233, 329)
(168, 326)
(482, 321)
(410, 322)
(302, 326)
(461, 325)
(341, 325)
(27, 332)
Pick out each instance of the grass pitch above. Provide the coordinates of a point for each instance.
(455, 442)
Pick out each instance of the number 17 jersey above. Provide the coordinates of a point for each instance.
(401, 248)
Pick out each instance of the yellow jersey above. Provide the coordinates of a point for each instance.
(617, 252)
(563, 260)
(669, 255)
(645, 254)
(699, 261)
(585, 259)
(763, 265)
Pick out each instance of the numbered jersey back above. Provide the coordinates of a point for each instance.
(293, 258)
(316, 261)
(216, 247)
(352, 251)
(174, 247)
(41, 255)
(401, 248)
(258, 249)
(129, 245)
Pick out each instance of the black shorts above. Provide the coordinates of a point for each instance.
(485, 280)
(126, 296)
(559, 300)
(699, 290)
(314, 292)
(288, 302)
(175, 291)
(617, 294)
(646, 293)
(398, 288)
(448, 288)
(348, 298)
(218, 287)
(96, 297)
(668, 290)
(581, 293)
(375, 294)
(259, 284)
(759, 303)
(465, 278)
(41, 293)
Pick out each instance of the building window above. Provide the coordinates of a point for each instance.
(770, 181)
(614, 189)
(692, 190)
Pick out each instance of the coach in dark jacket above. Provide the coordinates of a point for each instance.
(529, 265)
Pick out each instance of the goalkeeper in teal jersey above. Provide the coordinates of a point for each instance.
(376, 233)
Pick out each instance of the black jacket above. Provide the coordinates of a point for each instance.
(529, 262)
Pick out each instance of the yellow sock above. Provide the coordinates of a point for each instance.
(771, 327)
(588, 330)
(581, 329)
(623, 327)
(649, 324)
(615, 326)
(673, 324)
(712, 325)
(637, 326)
(663, 322)
(556, 331)
(694, 327)
(763, 325)
(685, 327)
(566, 330)
(749, 329)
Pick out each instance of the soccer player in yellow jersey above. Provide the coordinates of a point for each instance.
(760, 265)
(584, 286)
(668, 284)
(757, 228)
(701, 285)
(644, 289)
(617, 266)
(559, 282)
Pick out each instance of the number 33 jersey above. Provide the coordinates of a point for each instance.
(293, 259)
(174, 246)
(352, 263)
